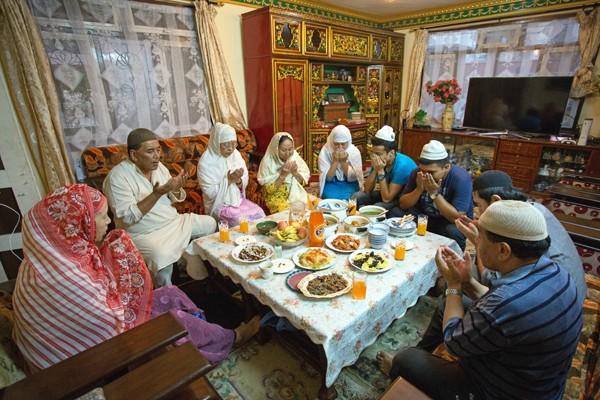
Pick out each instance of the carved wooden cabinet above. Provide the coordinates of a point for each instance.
(294, 63)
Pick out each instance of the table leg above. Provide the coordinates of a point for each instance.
(325, 393)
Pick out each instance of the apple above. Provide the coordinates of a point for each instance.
(281, 225)
(302, 232)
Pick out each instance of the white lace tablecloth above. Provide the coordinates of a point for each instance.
(343, 326)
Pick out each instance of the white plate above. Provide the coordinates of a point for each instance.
(282, 265)
(408, 243)
(244, 240)
(381, 253)
(296, 258)
(303, 285)
(330, 239)
(236, 252)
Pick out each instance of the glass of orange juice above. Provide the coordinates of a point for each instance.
(422, 225)
(359, 285)
(400, 252)
(223, 231)
(244, 225)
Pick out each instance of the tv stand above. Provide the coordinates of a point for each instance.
(520, 157)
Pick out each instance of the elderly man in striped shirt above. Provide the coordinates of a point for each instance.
(517, 339)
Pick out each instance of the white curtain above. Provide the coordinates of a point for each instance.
(537, 48)
(120, 65)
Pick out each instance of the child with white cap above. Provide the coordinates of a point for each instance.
(390, 170)
(438, 189)
(518, 337)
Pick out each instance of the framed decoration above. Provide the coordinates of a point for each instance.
(336, 99)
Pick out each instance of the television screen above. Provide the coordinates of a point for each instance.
(534, 105)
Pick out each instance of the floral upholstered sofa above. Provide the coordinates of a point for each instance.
(177, 154)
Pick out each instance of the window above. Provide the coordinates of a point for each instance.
(120, 65)
(538, 48)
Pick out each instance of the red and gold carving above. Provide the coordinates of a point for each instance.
(286, 36)
(373, 88)
(318, 92)
(290, 71)
(396, 49)
(315, 39)
(318, 141)
(350, 45)
(316, 72)
(379, 50)
(361, 73)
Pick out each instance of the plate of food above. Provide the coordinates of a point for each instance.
(294, 278)
(314, 258)
(282, 265)
(289, 235)
(369, 260)
(252, 252)
(325, 285)
(344, 242)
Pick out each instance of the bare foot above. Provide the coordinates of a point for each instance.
(246, 330)
(385, 362)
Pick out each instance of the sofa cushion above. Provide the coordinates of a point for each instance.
(176, 154)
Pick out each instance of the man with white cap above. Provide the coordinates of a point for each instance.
(140, 192)
(438, 189)
(519, 336)
(390, 170)
(340, 166)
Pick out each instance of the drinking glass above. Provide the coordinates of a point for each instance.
(422, 225)
(359, 285)
(400, 251)
(296, 212)
(244, 225)
(223, 231)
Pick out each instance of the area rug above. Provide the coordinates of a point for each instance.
(271, 372)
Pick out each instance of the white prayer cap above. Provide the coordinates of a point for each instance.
(225, 133)
(433, 151)
(341, 134)
(515, 220)
(386, 133)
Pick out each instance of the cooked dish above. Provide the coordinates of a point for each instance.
(315, 258)
(371, 261)
(345, 242)
(358, 223)
(327, 284)
(254, 252)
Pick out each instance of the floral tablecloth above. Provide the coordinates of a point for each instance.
(343, 326)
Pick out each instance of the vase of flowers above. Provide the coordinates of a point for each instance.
(445, 92)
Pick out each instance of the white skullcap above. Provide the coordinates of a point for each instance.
(515, 220)
(341, 134)
(386, 133)
(225, 133)
(434, 151)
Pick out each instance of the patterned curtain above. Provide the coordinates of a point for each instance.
(33, 94)
(120, 65)
(415, 70)
(537, 48)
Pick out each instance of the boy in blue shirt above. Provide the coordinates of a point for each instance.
(440, 190)
(390, 169)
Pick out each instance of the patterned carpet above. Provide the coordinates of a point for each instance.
(269, 371)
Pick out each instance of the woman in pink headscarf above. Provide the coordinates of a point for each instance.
(78, 287)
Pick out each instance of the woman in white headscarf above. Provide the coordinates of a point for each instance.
(283, 174)
(223, 177)
(340, 166)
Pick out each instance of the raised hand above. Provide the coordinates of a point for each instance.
(421, 181)
(293, 167)
(452, 267)
(468, 227)
(173, 184)
(378, 163)
(429, 184)
(287, 167)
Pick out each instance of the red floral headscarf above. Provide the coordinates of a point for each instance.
(71, 294)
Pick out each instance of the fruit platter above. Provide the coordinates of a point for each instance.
(289, 235)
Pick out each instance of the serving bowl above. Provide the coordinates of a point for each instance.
(360, 225)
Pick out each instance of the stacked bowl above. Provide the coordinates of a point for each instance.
(378, 234)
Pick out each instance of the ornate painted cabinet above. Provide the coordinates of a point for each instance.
(294, 64)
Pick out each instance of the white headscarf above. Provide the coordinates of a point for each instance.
(340, 134)
(271, 164)
(213, 169)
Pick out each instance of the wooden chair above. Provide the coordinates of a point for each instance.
(138, 364)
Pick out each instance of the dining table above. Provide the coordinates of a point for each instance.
(340, 327)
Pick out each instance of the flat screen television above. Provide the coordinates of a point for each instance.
(533, 105)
